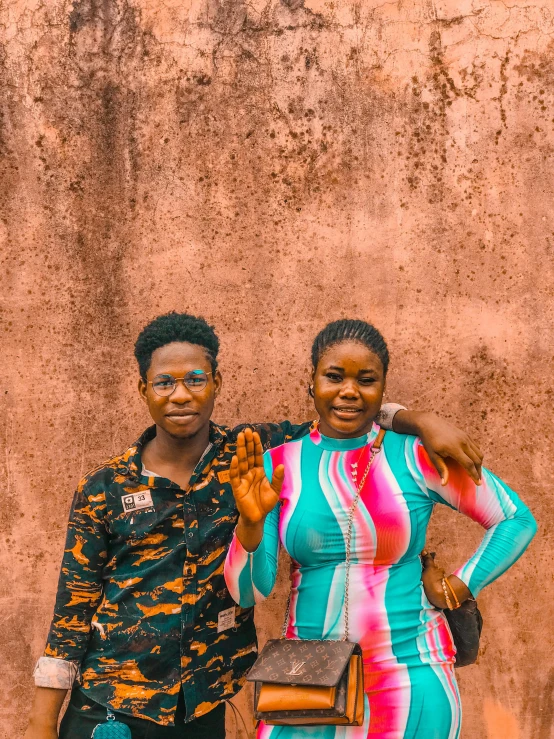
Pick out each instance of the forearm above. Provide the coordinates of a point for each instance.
(509, 524)
(501, 547)
(46, 708)
(250, 573)
(410, 422)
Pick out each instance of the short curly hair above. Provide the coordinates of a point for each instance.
(175, 327)
(351, 330)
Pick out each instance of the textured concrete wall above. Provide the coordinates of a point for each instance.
(273, 164)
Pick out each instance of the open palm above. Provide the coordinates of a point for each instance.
(254, 495)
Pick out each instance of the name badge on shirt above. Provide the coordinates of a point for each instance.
(226, 619)
(137, 501)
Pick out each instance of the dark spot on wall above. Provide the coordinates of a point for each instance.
(293, 4)
(536, 67)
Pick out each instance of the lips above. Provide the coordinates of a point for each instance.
(345, 412)
(182, 416)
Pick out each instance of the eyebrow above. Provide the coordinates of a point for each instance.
(341, 369)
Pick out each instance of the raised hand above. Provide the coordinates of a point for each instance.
(254, 495)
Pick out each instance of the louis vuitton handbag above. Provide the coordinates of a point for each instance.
(314, 681)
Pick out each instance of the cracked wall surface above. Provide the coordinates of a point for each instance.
(272, 165)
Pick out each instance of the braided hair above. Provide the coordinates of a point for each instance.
(175, 327)
(348, 329)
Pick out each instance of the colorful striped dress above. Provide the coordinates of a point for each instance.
(411, 691)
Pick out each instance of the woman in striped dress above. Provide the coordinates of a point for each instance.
(408, 652)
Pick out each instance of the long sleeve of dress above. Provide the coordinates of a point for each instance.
(250, 576)
(509, 524)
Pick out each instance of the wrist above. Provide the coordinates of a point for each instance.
(385, 417)
(41, 721)
(250, 534)
(246, 525)
(461, 591)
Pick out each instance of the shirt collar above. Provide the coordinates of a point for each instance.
(130, 462)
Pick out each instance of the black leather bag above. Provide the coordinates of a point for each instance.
(466, 624)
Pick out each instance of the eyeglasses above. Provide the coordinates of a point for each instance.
(165, 385)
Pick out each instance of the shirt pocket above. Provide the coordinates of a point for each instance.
(137, 514)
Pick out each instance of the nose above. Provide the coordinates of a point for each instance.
(181, 394)
(349, 389)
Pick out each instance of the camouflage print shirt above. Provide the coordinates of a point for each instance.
(142, 607)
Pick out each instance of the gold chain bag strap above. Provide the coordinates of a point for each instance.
(314, 681)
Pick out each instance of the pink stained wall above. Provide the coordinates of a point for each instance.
(272, 165)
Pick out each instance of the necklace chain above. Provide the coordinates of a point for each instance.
(372, 452)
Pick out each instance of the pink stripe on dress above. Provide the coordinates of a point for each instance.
(236, 561)
(290, 455)
(386, 505)
(368, 621)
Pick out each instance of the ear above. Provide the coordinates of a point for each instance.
(142, 388)
(218, 381)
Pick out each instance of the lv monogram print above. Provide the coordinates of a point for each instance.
(305, 662)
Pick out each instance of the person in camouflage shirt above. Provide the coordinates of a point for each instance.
(143, 623)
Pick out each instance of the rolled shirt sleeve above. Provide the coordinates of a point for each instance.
(50, 672)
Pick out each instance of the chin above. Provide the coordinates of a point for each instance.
(351, 428)
(183, 433)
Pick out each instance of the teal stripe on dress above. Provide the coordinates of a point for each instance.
(300, 539)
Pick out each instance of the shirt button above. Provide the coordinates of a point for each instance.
(190, 534)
